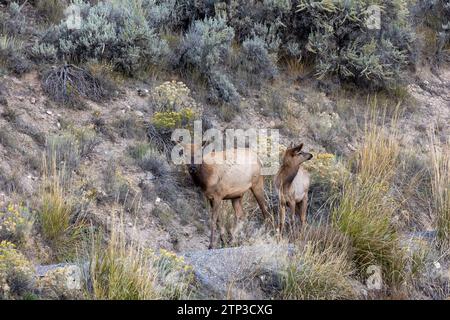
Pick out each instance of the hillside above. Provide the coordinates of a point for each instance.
(86, 116)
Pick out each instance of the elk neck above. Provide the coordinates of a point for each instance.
(285, 176)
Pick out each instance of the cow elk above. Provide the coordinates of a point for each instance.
(228, 180)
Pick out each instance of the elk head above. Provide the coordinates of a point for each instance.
(294, 156)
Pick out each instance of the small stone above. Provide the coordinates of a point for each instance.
(139, 113)
(49, 112)
(33, 100)
(58, 125)
(143, 92)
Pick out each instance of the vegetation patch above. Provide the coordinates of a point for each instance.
(365, 207)
(68, 84)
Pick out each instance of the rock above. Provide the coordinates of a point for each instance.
(142, 92)
(61, 281)
(33, 100)
(139, 114)
(49, 112)
(242, 272)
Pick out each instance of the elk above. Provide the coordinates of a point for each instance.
(292, 184)
(228, 180)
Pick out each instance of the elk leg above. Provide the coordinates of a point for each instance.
(303, 210)
(222, 223)
(292, 209)
(282, 218)
(215, 204)
(258, 193)
(237, 206)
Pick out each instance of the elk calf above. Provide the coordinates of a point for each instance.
(292, 184)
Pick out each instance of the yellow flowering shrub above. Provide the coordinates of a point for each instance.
(172, 96)
(324, 168)
(173, 119)
(15, 223)
(16, 272)
(175, 275)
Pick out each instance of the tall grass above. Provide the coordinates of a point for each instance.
(321, 269)
(55, 215)
(51, 10)
(120, 270)
(366, 206)
(440, 186)
(124, 269)
(9, 45)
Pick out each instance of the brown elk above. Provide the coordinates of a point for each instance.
(228, 180)
(292, 184)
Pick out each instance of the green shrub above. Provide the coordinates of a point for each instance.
(334, 34)
(343, 46)
(114, 31)
(256, 59)
(206, 48)
(207, 44)
(12, 21)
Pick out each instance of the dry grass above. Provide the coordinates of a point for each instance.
(123, 269)
(51, 10)
(366, 206)
(321, 268)
(440, 162)
(120, 271)
(55, 215)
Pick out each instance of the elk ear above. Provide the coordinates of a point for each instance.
(298, 148)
